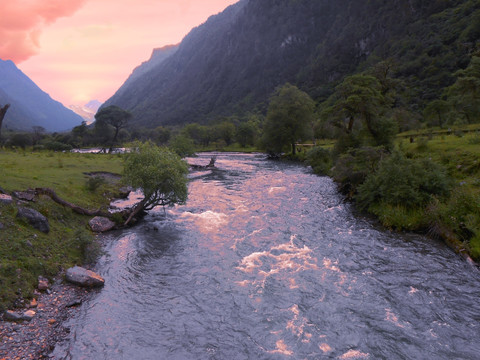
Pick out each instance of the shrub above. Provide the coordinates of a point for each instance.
(460, 215)
(94, 182)
(58, 146)
(352, 169)
(400, 181)
(320, 160)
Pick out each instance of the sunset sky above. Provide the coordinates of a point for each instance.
(80, 50)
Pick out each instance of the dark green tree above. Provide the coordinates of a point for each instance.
(435, 112)
(289, 119)
(115, 117)
(159, 173)
(359, 102)
(464, 94)
(3, 112)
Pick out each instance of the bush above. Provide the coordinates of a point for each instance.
(94, 182)
(403, 182)
(459, 215)
(351, 169)
(320, 160)
(58, 146)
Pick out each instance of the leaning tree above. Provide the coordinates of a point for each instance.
(3, 112)
(159, 173)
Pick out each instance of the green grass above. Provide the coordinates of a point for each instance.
(26, 253)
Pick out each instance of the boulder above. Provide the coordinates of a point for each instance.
(12, 316)
(28, 315)
(101, 224)
(5, 199)
(28, 195)
(34, 218)
(83, 277)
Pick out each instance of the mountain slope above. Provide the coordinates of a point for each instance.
(233, 62)
(30, 106)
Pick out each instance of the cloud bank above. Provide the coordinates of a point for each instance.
(22, 22)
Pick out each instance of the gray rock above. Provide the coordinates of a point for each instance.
(25, 195)
(5, 199)
(34, 218)
(101, 224)
(83, 277)
(12, 316)
(1, 226)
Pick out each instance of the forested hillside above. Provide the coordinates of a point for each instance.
(232, 63)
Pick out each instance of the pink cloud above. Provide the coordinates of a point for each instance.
(22, 22)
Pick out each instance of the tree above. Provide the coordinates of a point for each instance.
(359, 99)
(289, 118)
(159, 173)
(436, 110)
(246, 132)
(38, 133)
(464, 94)
(115, 117)
(226, 131)
(182, 145)
(3, 112)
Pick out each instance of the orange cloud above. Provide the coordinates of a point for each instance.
(22, 22)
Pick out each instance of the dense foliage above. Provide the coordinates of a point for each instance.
(159, 173)
(233, 62)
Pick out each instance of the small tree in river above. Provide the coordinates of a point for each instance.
(289, 118)
(159, 173)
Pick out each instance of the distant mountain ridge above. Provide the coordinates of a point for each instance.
(232, 63)
(87, 111)
(29, 105)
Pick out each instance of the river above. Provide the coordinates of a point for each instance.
(267, 261)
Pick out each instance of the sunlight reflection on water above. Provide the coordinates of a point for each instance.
(266, 261)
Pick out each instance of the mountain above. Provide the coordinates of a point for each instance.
(87, 111)
(29, 105)
(232, 63)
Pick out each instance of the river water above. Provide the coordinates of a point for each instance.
(267, 261)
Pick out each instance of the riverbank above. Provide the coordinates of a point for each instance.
(37, 338)
(27, 252)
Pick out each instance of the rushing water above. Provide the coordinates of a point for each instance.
(266, 261)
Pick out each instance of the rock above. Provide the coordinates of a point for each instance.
(25, 195)
(124, 191)
(28, 315)
(33, 304)
(51, 321)
(83, 277)
(43, 284)
(12, 316)
(75, 302)
(101, 224)
(34, 218)
(5, 199)
(1, 226)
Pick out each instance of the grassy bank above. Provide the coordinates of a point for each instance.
(429, 182)
(26, 253)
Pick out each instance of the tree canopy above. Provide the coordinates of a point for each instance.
(114, 117)
(159, 173)
(289, 119)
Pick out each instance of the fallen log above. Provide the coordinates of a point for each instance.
(79, 210)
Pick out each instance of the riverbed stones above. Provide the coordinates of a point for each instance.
(83, 277)
(16, 317)
(101, 224)
(5, 199)
(34, 218)
(43, 284)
